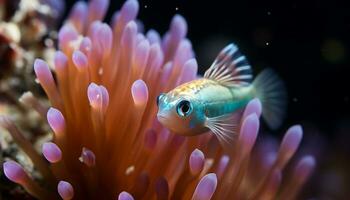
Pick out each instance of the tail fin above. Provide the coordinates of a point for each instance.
(272, 94)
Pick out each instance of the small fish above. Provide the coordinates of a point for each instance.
(215, 102)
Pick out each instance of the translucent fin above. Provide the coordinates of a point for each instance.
(230, 68)
(272, 94)
(225, 128)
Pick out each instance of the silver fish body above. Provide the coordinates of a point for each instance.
(215, 101)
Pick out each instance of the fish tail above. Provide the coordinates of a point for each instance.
(272, 94)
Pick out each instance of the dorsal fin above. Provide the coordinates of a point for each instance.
(230, 68)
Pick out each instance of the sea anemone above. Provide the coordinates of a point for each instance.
(107, 143)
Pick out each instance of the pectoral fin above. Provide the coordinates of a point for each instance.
(225, 128)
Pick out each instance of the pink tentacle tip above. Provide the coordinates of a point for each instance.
(206, 187)
(65, 190)
(254, 106)
(129, 10)
(95, 95)
(98, 8)
(80, 60)
(56, 120)
(191, 65)
(115, 19)
(60, 61)
(42, 71)
(178, 27)
(222, 165)
(129, 34)
(98, 96)
(153, 36)
(189, 70)
(93, 30)
(87, 157)
(67, 34)
(52, 152)
(14, 172)
(79, 11)
(105, 37)
(162, 188)
(141, 53)
(291, 141)
(139, 92)
(304, 168)
(78, 15)
(196, 161)
(183, 52)
(249, 132)
(86, 45)
(140, 37)
(125, 196)
(156, 55)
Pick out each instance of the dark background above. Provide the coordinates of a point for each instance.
(306, 42)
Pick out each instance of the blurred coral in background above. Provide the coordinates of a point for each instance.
(28, 29)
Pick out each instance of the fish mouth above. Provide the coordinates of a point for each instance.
(162, 118)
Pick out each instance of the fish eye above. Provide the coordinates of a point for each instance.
(159, 97)
(184, 108)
